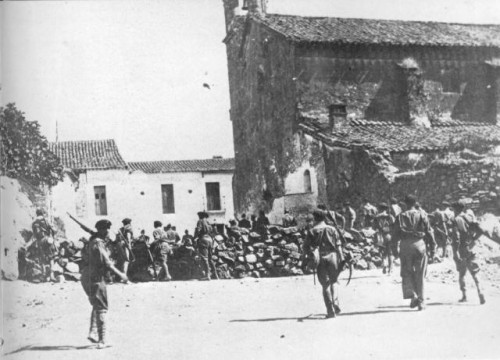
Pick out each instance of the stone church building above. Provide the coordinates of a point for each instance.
(332, 109)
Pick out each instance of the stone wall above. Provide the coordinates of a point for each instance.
(457, 82)
(263, 110)
(353, 175)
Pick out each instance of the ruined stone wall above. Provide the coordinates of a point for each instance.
(368, 80)
(355, 174)
(263, 113)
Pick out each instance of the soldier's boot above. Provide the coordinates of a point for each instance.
(482, 299)
(464, 297)
(125, 268)
(93, 334)
(101, 329)
(327, 297)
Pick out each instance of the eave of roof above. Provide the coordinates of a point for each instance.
(381, 32)
(88, 154)
(174, 166)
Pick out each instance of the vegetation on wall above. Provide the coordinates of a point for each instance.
(25, 152)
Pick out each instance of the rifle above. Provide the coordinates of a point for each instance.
(336, 226)
(127, 245)
(84, 227)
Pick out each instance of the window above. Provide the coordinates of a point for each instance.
(307, 181)
(101, 207)
(213, 196)
(167, 198)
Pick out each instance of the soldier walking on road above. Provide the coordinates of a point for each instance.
(203, 233)
(411, 227)
(466, 232)
(325, 240)
(383, 223)
(96, 263)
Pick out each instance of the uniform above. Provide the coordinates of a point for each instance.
(161, 250)
(124, 237)
(203, 233)
(411, 226)
(383, 223)
(326, 240)
(45, 248)
(465, 235)
(96, 263)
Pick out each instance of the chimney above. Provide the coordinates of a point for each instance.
(337, 115)
(412, 100)
(492, 113)
(230, 8)
(258, 7)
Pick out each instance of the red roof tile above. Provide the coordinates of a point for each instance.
(167, 166)
(369, 31)
(89, 154)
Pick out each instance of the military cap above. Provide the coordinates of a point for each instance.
(157, 224)
(103, 224)
(319, 215)
(126, 221)
(445, 203)
(39, 212)
(232, 222)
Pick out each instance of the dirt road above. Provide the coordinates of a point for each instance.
(255, 319)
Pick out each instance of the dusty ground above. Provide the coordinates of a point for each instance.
(256, 319)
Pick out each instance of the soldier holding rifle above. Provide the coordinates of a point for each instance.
(96, 263)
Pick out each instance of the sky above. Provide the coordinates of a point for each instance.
(134, 70)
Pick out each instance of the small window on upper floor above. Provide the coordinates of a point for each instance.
(307, 181)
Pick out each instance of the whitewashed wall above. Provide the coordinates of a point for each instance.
(137, 195)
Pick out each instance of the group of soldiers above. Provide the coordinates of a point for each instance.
(409, 231)
(404, 229)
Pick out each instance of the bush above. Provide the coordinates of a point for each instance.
(25, 152)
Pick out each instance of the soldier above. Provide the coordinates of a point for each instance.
(411, 226)
(349, 215)
(172, 235)
(45, 245)
(187, 237)
(244, 222)
(124, 238)
(440, 223)
(203, 233)
(368, 212)
(325, 241)
(289, 220)
(465, 236)
(383, 224)
(161, 250)
(95, 264)
(261, 224)
(395, 209)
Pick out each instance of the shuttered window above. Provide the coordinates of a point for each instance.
(213, 196)
(167, 198)
(101, 207)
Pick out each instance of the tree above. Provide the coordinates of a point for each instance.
(25, 152)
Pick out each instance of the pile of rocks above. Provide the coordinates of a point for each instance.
(244, 254)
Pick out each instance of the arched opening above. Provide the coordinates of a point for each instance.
(307, 181)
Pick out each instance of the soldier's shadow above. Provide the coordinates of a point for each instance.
(51, 348)
(299, 319)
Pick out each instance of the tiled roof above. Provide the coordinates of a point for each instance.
(167, 166)
(89, 155)
(369, 31)
(398, 137)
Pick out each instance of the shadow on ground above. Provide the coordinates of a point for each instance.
(50, 348)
